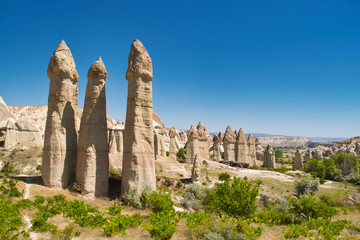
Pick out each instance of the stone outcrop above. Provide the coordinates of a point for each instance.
(241, 147)
(17, 131)
(172, 147)
(283, 141)
(116, 146)
(269, 157)
(307, 155)
(60, 141)
(216, 148)
(317, 155)
(251, 154)
(298, 164)
(195, 173)
(138, 169)
(159, 143)
(229, 144)
(192, 145)
(203, 145)
(92, 164)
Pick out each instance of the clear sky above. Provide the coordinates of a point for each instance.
(282, 67)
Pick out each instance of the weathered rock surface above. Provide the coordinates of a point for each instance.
(195, 173)
(172, 147)
(241, 147)
(216, 148)
(229, 144)
(92, 164)
(269, 157)
(298, 164)
(138, 169)
(203, 141)
(283, 141)
(192, 145)
(60, 141)
(251, 158)
(307, 155)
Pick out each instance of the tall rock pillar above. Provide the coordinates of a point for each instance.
(241, 147)
(192, 148)
(229, 144)
(139, 162)
(216, 148)
(92, 164)
(298, 164)
(251, 150)
(269, 157)
(172, 147)
(60, 139)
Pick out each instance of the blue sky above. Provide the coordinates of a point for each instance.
(281, 67)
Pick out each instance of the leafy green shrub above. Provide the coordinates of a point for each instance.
(306, 208)
(118, 223)
(305, 186)
(181, 153)
(235, 198)
(115, 173)
(84, 214)
(196, 218)
(163, 224)
(347, 163)
(226, 228)
(324, 227)
(273, 217)
(224, 177)
(132, 198)
(7, 168)
(194, 191)
(159, 201)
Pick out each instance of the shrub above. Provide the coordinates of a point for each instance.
(194, 191)
(196, 218)
(224, 177)
(306, 208)
(7, 168)
(235, 198)
(163, 224)
(226, 228)
(132, 198)
(115, 173)
(347, 163)
(273, 217)
(181, 153)
(305, 186)
(159, 201)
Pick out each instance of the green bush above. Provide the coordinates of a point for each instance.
(273, 217)
(235, 198)
(224, 177)
(115, 173)
(181, 153)
(159, 201)
(7, 168)
(196, 218)
(305, 186)
(347, 163)
(226, 228)
(118, 223)
(163, 224)
(306, 208)
(194, 191)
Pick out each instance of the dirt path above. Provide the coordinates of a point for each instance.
(33, 235)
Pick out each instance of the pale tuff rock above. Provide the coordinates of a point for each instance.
(92, 165)
(172, 147)
(251, 150)
(357, 149)
(60, 141)
(269, 157)
(116, 148)
(241, 147)
(260, 153)
(203, 143)
(229, 144)
(307, 156)
(317, 155)
(195, 173)
(17, 132)
(298, 161)
(281, 141)
(138, 169)
(216, 148)
(192, 145)
(221, 137)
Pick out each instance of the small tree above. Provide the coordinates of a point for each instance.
(305, 186)
(181, 153)
(278, 154)
(233, 197)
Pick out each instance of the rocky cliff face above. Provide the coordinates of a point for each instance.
(283, 141)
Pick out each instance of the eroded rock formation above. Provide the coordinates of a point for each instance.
(241, 147)
(60, 141)
(229, 144)
(195, 173)
(192, 145)
(92, 164)
(172, 147)
(216, 148)
(138, 169)
(269, 157)
(251, 159)
(298, 164)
